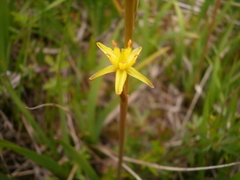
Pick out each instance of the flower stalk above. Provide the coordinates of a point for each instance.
(129, 16)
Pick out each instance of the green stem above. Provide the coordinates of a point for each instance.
(212, 25)
(130, 13)
(210, 30)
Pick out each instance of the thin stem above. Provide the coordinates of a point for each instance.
(122, 125)
(129, 20)
(210, 30)
(130, 13)
(212, 25)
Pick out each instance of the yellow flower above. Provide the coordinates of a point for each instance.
(122, 62)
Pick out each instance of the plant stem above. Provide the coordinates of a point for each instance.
(122, 125)
(130, 10)
(209, 33)
(212, 25)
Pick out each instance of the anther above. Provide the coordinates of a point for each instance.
(129, 43)
(107, 54)
(114, 43)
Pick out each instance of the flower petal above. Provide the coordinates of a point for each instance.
(126, 52)
(117, 53)
(134, 73)
(109, 53)
(121, 76)
(106, 70)
(133, 56)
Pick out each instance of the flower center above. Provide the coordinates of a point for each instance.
(122, 65)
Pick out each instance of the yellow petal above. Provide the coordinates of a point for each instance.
(134, 73)
(106, 70)
(133, 56)
(126, 52)
(117, 52)
(121, 76)
(109, 53)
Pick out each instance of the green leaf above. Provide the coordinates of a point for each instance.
(4, 24)
(53, 5)
(39, 135)
(79, 159)
(4, 177)
(39, 159)
(235, 176)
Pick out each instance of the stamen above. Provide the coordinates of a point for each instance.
(136, 55)
(129, 43)
(107, 54)
(114, 43)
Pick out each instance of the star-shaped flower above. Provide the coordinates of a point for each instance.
(122, 61)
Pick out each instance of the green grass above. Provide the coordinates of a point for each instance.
(51, 46)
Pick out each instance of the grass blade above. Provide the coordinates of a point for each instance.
(4, 177)
(41, 160)
(39, 134)
(79, 159)
(4, 23)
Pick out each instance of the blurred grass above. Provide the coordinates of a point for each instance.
(51, 46)
(42, 160)
(4, 35)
